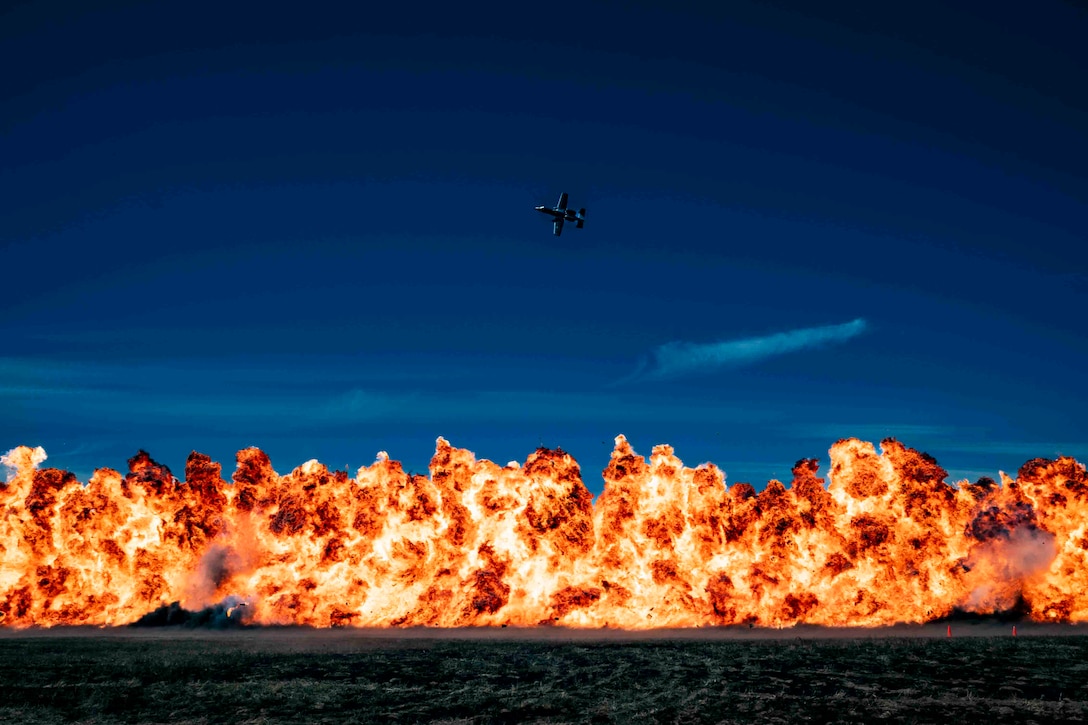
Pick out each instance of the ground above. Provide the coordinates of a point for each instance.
(292, 675)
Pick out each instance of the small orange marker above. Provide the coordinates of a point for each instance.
(950, 630)
(1014, 630)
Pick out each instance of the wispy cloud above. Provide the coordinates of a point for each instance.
(38, 392)
(529, 405)
(678, 359)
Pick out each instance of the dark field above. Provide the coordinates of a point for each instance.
(915, 674)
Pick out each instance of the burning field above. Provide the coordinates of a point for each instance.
(886, 540)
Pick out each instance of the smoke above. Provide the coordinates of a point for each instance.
(22, 458)
(678, 359)
(229, 613)
(215, 568)
(1028, 552)
(1002, 564)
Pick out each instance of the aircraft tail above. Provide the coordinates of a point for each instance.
(581, 218)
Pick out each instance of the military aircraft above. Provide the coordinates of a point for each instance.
(561, 213)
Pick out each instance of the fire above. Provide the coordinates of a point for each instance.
(473, 543)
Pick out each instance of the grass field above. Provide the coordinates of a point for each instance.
(489, 676)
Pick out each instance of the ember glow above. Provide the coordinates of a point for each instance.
(473, 543)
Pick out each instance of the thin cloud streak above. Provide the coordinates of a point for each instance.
(229, 409)
(679, 359)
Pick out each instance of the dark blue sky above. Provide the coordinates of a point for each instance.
(312, 231)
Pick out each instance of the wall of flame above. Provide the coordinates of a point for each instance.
(473, 543)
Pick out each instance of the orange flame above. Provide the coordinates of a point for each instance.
(478, 544)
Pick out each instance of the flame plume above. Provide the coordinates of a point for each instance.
(473, 543)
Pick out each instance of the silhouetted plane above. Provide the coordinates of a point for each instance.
(561, 213)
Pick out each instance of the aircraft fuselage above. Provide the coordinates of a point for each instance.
(560, 214)
(569, 215)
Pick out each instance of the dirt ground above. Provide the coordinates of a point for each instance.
(915, 674)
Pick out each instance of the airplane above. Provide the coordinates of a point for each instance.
(561, 214)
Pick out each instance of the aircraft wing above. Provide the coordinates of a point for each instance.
(562, 201)
(557, 225)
